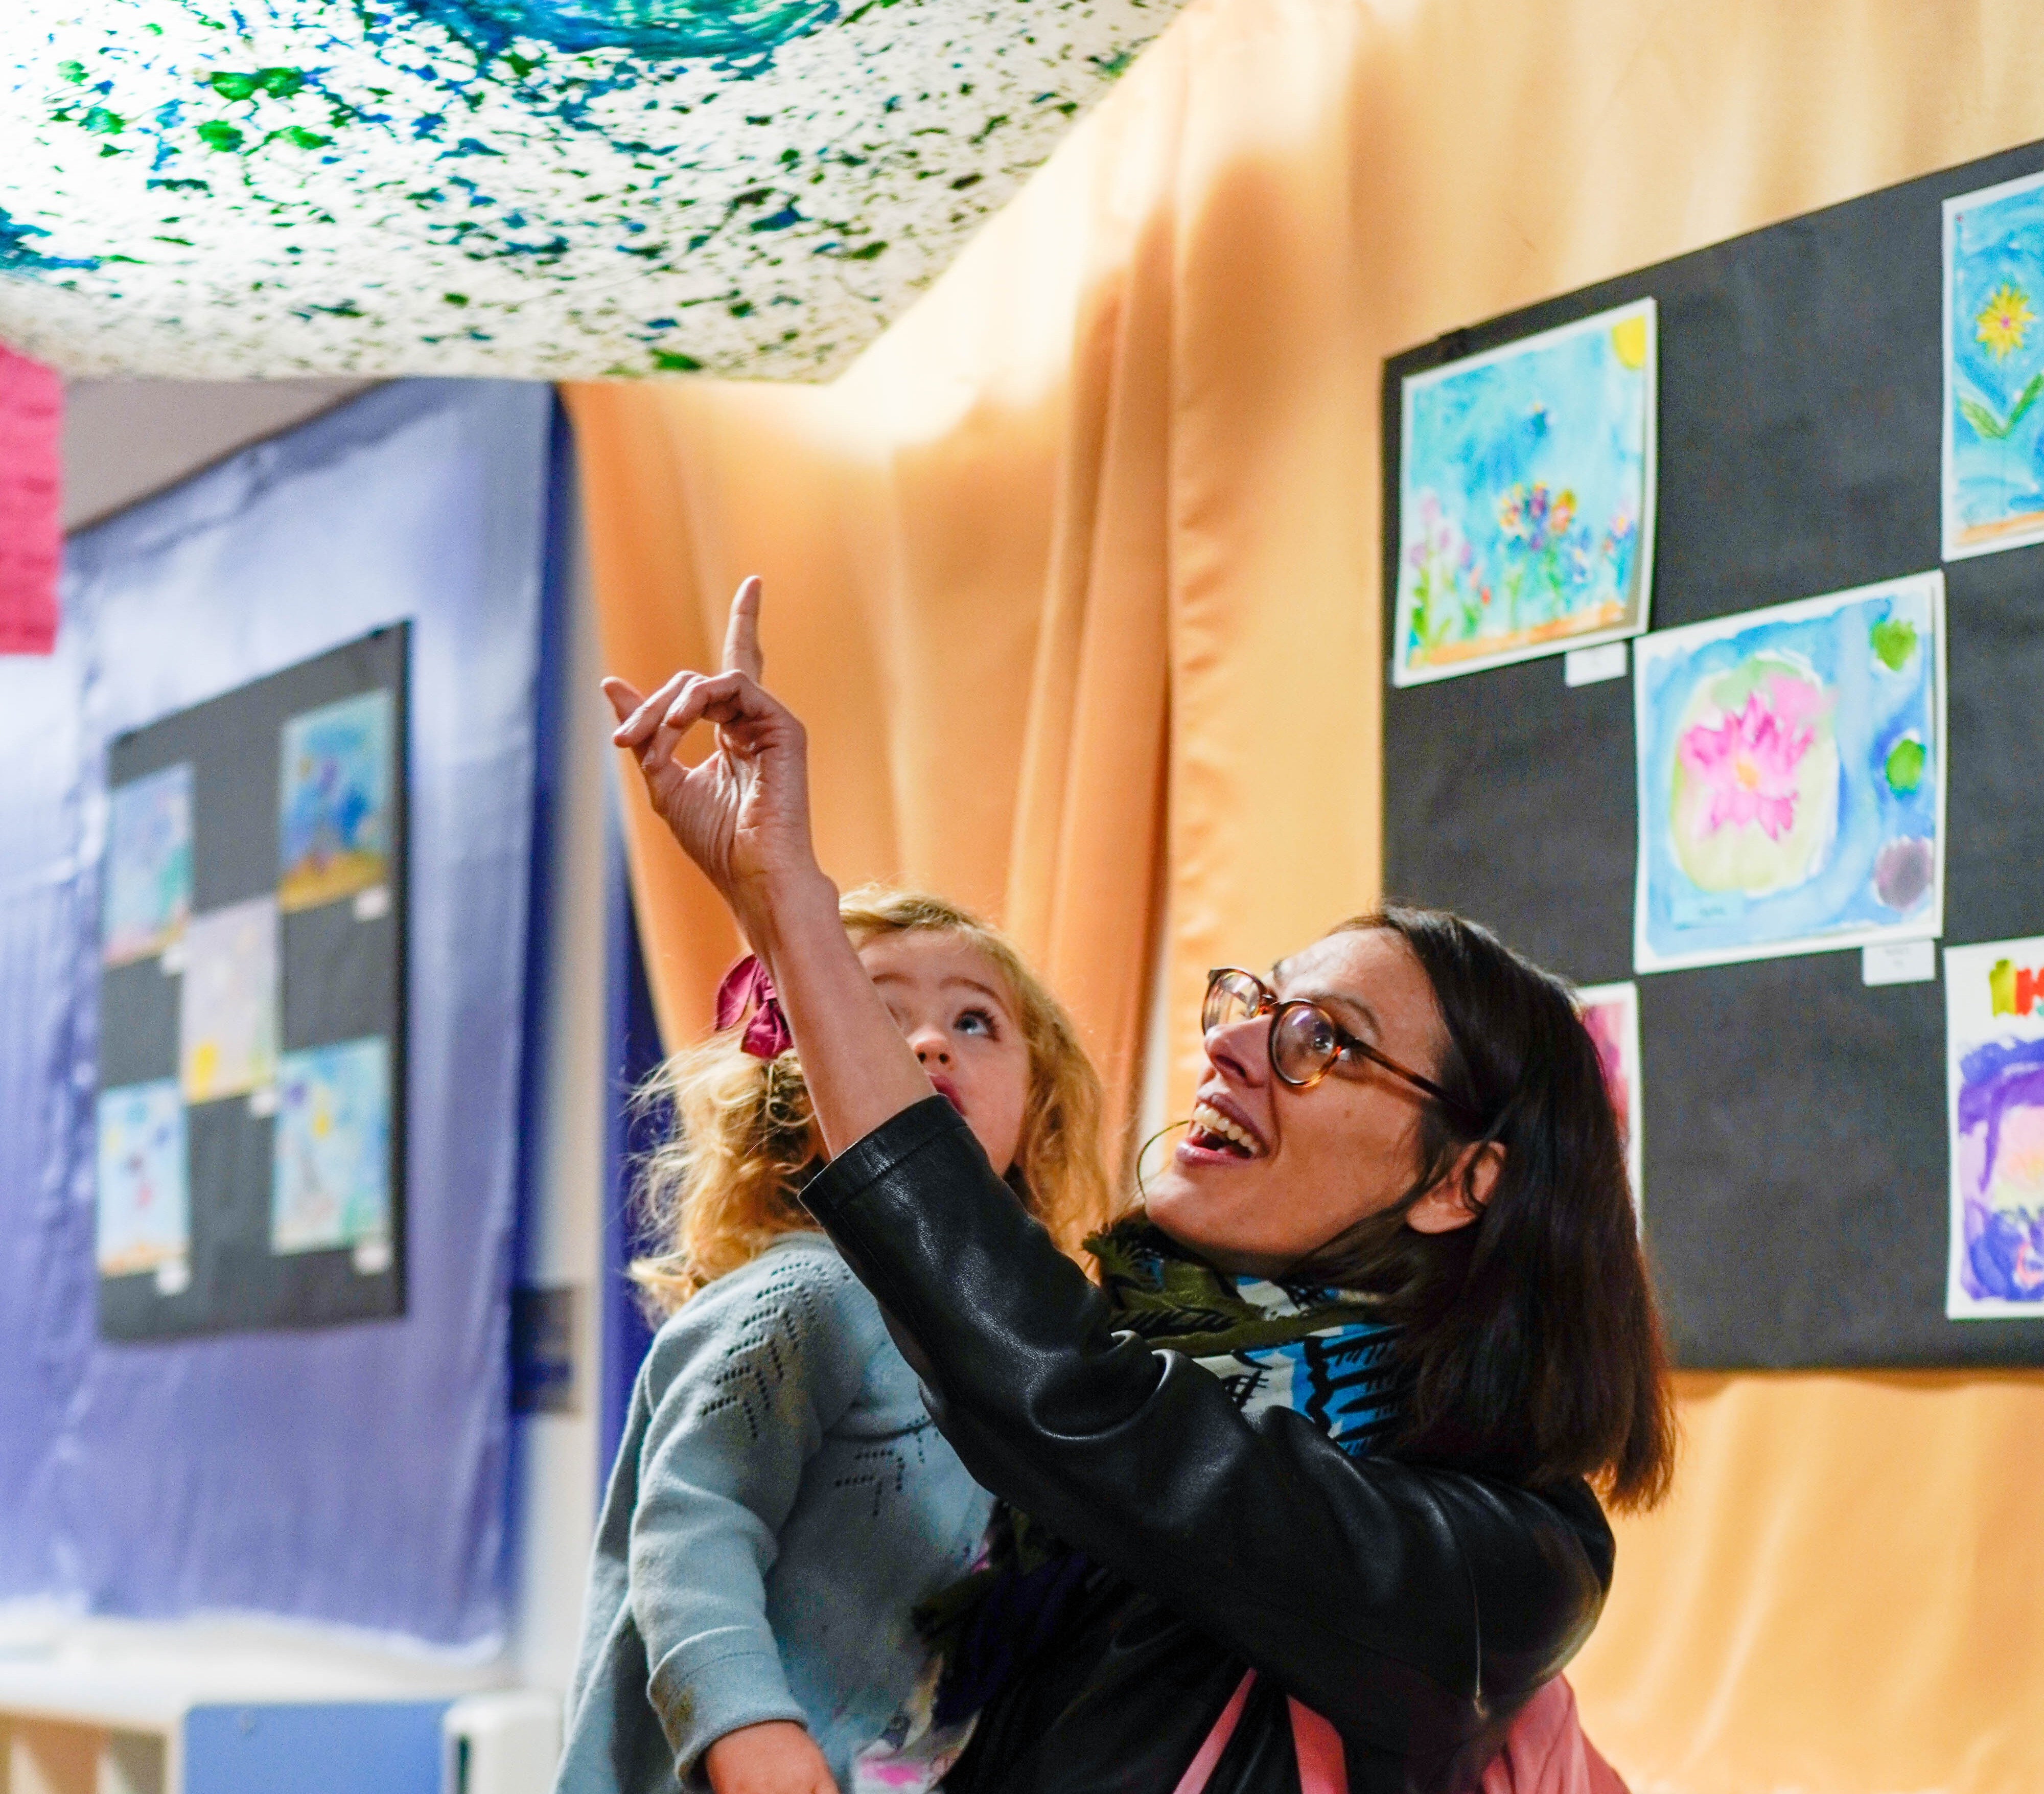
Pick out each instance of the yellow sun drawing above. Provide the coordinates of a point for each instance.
(2004, 321)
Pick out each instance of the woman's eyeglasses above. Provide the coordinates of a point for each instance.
(1306, 1042)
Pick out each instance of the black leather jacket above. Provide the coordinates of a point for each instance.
(1416, 1609)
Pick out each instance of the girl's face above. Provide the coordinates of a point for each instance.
(1269, 1173)
(953, 1006)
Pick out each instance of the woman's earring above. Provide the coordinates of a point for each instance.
(1143, 1195)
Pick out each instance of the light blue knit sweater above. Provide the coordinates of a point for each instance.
(781, 1503)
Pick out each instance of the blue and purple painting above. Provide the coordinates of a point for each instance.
(1994, 1011)
(1526, 498)
(334, 825)
(143, 1214)
(1791, 778)
(332, 1175)
(146, 900)
(1994, 368)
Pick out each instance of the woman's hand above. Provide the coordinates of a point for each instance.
(776, 1757)
(743, 813)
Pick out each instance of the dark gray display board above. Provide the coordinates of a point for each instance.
(257, 1034)
(1794, 1125)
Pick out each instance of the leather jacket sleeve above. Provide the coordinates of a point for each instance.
(1416, 1609)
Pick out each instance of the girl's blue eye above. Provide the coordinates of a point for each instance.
(977, 1022)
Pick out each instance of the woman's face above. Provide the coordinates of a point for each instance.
(1303, 1166)
(953, 1006)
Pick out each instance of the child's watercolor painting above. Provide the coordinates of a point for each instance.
(331, 1186)
(1994, 1066)
(227, 1011)
(335, 803)
(1526, 498)
(1611, 1013)
(1994, 368)
(143, 1207)
(149, 887)
(1791, 778)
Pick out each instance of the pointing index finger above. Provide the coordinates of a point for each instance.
(741, 639)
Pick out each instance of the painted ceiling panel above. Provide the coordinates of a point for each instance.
(530, 187)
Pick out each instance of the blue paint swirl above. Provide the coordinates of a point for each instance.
(722, 29)
(19, 255)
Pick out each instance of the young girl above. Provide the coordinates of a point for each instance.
(781, 1501)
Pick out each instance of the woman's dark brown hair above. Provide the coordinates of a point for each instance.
(1532, 1348)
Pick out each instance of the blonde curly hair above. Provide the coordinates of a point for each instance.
(742, 1140)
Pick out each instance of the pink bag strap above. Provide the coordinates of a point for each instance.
(1322, 1767)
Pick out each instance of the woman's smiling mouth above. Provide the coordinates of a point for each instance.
(1217, 1132)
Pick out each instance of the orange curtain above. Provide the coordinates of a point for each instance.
(1074, 575)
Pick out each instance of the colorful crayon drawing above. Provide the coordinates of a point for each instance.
(332, 1185)
(1526, 498)
(227, 1011)
(335, 803)
(1994, 1062)
(1611, 1014)
(1994, 368)
(148, 887)
(144, 1210)
(1791, 778)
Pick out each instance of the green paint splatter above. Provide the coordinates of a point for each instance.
(103, 123)
(1894, 641)
(216, 133)
(297, 134)
(455, 299)
(1904, 768)
(278, 83)
(865, 253)
(673, 361)
(73, 73)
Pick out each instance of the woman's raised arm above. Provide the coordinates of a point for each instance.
(742, 814)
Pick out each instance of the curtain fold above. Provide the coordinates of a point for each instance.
(1075, 577)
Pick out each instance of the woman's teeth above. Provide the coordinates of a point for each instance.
(1211, 1121)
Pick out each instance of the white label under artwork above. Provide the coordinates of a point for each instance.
(1994, 1067)
(1898, 962)
(1792, 785)
(1592, 666)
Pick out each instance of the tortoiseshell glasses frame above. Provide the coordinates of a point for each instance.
(1306, 1042)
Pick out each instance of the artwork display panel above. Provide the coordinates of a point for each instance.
(1526, 498)
(1994, 1064)
(1993, 472)
(252, 1152)
(1791, 769)
(1611, 1013)
(148, 865)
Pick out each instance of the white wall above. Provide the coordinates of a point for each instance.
(125, 440)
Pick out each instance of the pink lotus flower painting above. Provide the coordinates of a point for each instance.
(1746, 763)
(1791, 778)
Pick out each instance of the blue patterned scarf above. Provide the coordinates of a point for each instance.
(1322, 1352)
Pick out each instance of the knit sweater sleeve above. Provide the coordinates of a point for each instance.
(743, 1381)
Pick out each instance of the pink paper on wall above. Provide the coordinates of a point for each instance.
(31, 503)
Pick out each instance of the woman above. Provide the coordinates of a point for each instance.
(1410, 1112)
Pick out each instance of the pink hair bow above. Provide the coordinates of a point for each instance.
(746, 986)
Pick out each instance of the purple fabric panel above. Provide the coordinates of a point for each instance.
(353, 1474)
